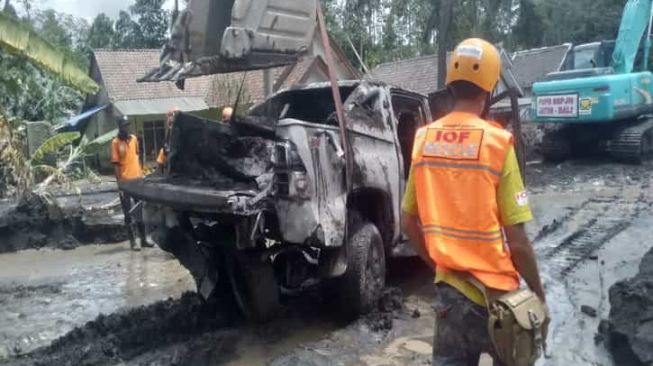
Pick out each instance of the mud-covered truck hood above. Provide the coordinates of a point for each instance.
(221, 36)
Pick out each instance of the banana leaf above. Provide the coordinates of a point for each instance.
(95, 146)
(54, 144)
(20, 39)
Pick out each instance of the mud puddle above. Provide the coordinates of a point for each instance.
(44, 294)
(581, 245)
(186, 332)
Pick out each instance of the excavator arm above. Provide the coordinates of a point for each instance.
(635, 21)
(222, 36)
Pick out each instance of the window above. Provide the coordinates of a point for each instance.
(584, 59)
(153, 139)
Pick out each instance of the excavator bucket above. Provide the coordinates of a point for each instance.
(222, 36)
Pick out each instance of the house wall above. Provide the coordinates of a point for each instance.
(104, 122)
(315, 76)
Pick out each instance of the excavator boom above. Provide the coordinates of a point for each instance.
(635, 21)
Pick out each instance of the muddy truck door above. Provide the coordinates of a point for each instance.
(222, 36)
(377, 172)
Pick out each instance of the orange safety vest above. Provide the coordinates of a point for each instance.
(457, 164)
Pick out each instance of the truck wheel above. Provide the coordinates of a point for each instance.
(359, 289)
(254, 286)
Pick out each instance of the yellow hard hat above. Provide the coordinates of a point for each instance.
(476, 61)
(227, 112)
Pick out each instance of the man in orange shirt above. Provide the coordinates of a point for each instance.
(127, 166)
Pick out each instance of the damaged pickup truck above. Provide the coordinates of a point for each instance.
(260, 206)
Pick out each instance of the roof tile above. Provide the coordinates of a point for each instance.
(121, 68)
(533, 65)
(418, 74)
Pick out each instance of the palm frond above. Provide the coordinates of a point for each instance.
(22, 40)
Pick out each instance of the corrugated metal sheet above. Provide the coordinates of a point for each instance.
(74, 124)
(143, 107)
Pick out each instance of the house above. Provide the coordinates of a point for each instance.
(531, 66)
(420, 74)
(146, 104)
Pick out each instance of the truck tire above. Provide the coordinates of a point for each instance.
(254, 286)
(361, 286)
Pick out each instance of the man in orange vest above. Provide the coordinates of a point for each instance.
(127, 166)
(162, 158)
(465, 207)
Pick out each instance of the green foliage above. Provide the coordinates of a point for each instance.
(53, 145)
(387, 30)
(126, 32)
(27, 92)
(15, 173)
(579, 21)
(99, 143)
(101, 33)
(151, 23)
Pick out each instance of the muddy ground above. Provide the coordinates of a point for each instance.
(63, 219)
(591, 230)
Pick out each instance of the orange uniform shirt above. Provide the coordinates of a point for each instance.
(161, 158)
(125, 155)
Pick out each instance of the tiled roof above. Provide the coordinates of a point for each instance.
(421, 74)
(531, 66)
(418, 74)
(121, 68)
(224, 88)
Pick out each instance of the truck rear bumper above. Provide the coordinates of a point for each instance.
(187, 195)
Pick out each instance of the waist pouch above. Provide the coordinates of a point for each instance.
(515, 327)
(515, 324)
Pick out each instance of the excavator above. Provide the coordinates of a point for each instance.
(604, 103)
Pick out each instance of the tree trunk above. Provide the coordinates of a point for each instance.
(446, 13)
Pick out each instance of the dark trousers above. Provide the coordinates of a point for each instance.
(127, 202)
(461, 334)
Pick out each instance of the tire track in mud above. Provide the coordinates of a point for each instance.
(575, 237)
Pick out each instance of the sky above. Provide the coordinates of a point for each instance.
(90, 8)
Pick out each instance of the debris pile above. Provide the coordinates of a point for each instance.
(390, 304)
(630, 327)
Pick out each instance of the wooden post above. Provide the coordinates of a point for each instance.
(517, 132)
(446, 13)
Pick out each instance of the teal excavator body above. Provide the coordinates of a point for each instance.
(603, 102)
